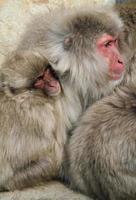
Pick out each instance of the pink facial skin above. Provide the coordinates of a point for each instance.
(108, 47)
(46, 81)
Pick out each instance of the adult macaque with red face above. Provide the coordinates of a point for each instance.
(85, 45)
(102, 150)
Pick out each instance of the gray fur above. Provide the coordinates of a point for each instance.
(101, 151)
(68, 38)
(32, 132)
(33, 128)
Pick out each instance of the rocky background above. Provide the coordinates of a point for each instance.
(14, 15)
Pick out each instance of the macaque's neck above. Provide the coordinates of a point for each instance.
(71, 106)
(77, 99)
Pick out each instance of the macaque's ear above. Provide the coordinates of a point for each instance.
(68, 41)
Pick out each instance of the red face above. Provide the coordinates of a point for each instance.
(108, 47)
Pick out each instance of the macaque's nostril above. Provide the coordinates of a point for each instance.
(120, 62)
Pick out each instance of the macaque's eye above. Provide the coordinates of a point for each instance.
(108, 43)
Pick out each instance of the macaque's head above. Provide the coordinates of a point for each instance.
(86, 45)
(24, 71)
(108, 47)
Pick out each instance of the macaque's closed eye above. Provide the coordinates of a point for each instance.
(109, 43)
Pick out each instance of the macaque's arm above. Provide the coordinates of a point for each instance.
(51, 191)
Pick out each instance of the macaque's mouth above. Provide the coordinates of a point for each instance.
(116, 76)
(117, 73)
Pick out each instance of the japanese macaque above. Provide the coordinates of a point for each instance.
(85, 50)
(84, 45)
(32, 132)
(102, 149)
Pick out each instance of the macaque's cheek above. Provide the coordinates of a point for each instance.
(108, 48)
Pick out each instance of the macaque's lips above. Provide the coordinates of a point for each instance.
(117, 72)
(116, 76)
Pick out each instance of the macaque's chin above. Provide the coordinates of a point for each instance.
(115, 76)
(116, 73)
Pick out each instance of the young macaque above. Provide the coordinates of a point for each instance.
(102, 149)
(32, 132)
(85, 49)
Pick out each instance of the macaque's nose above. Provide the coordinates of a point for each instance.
(119, 68)
(120, 62)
